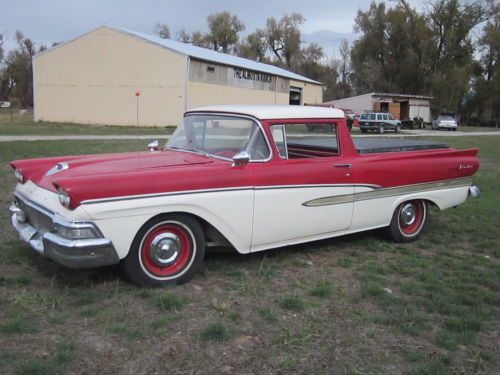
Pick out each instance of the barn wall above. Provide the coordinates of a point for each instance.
(93, 80)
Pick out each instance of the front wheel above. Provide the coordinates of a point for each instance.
(168, 249)
(408, 221)
(398, 129)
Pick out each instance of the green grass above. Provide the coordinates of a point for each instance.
(24, 125)
(216, 332)
(169, 302)
(356, 304)
(292, 302)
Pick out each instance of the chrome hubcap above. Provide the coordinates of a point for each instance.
(408, 215)
(165, 249)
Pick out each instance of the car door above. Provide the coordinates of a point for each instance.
(304, 193)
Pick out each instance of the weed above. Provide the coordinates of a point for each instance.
(170, 302)
(217, 332)
(345, 263)
(323, 289)
(292, 302)
(267, 314)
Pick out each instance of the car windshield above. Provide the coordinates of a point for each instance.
(446, 118)
(220, 137)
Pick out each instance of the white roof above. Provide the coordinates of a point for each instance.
(210, 55)
(267, 112)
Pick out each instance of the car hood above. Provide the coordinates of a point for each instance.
(46, 172)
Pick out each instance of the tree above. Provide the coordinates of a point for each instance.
(343, 65)
(283, 37)
(18, 72)
(223, 31)
(402, 50)
(254, 46)
(1, 48)
(162, 30)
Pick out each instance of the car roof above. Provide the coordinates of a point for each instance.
(268, 112)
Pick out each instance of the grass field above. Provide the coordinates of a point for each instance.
(24, 125)
(352, 305)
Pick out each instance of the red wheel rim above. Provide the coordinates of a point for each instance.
(411, 217)
(180, 253)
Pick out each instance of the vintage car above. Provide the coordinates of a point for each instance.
(249, 177)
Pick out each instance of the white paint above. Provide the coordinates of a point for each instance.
(280, 215)
(275, 111)
(280, 218)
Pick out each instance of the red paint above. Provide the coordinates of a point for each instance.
(116, 175)
(182, 259)
(419, 219)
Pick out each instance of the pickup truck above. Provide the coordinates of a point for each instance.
(248, 177)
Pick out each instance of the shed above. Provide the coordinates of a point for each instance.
(401, 106)
(94, 79)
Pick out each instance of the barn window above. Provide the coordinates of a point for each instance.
(210, 69)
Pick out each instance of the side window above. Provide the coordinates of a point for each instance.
(278, 132)
(379, 117)
(362, 117)
(308, 140)
(385, 117)
(390, 117)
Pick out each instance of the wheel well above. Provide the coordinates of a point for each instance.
(213, 236)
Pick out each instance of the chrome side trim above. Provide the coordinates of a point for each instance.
(158, 195)
(388, 192)
(401, 190)
(358, 196)
(328, 201)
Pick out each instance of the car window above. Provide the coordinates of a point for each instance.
(362, 117)
(379, 117)
(307, 140)
(385, 117)
(220, 137)
(371, 116)
(389, 116)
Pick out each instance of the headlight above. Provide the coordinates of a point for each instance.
(64, 198)
(19, 176)
(75, 231)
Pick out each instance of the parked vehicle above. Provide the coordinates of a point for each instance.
(445, 121)
(379, 122)
(249, 177)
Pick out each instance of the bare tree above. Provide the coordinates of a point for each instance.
(162, 30)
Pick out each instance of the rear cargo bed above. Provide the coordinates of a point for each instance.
(376, 145)
(373, 145)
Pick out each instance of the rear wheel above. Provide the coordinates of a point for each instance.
(363, 130)
(381, 129)
(168, 249)
(408, 221)
(398, 129)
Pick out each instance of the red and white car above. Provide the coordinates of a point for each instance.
(249, 177)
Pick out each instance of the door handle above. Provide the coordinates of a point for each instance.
(345, 165)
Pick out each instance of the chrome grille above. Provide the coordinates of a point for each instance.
(37, 216)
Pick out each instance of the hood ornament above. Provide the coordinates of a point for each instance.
(58, 168)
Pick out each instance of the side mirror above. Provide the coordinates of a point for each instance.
(241, 158)
(153, 146)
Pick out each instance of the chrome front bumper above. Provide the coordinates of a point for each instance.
(72, 253)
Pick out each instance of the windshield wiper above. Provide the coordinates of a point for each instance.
(188, 149)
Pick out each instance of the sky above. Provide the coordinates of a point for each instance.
(48, 21)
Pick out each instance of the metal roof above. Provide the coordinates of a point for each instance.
(214, 56)
(268, 112)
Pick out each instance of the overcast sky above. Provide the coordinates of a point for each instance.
(48, 21)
